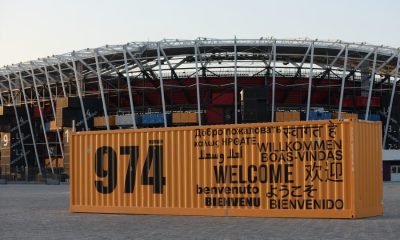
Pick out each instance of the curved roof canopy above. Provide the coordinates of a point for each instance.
(174, 58)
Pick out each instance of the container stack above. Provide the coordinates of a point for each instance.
(371, 117)
(393, 128)
(100, 122)
(5, 158)
(184, 118)
(345, 115)
(221, 110)
(58, 163)
(66, 140)
(254, 104)
(12, 154)
(287, 116)
(53, 126)
(319, 116)
(153, 119)
(69, 110)
(126, 120)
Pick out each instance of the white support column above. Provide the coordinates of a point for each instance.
(103, 100)
(53, 109)
(42, 120)
(396, 76)
(1, 99)
(128, 81)
(310, 81)
(197, 84)
(62, 80)
(337, 57)
(273, 82)
(346, 51)
(29, 120)
(235, 81)
(161, 85)
(385, 63)
(78, 87)
(371, 84)
(21, 138)
(58, 69)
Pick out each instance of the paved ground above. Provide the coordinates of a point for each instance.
(41, 212)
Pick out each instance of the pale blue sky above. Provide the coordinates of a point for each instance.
(38, 28)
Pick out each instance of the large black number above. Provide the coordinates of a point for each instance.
(154, 158)
(130, 178)
(111, 173)
(158, 180)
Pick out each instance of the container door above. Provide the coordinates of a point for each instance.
(395, 173)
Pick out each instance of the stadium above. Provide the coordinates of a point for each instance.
(191, 82)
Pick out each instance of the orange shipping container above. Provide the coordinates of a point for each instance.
(62, 102)
(56, 162)
(322, 169)
(287, 116)
(53, 125)
(181, 118)
(345, 115)
(101, 121)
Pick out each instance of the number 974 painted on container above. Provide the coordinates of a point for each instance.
(323, 169)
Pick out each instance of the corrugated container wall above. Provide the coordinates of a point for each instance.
(322, 169)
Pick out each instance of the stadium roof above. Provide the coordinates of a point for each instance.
(170, 56)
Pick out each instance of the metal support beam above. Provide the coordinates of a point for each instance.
(64, 61)
(270, 58)
(337, 56)
(310, 81)
(169, 63)
(396, 76)
(140, 65)
(103, 100)
(161, 85)
(42, 119)
(51, 101)
(304, 58)
(343, 82)
(365, 58)
(385, 63)
(29, 121)
(128, 81)
(197, 83)
(62, 79)
(61, 75)
(80, 95)
(21, 138)
(328, 69)
(200, 57)
(85, 64)
(273, 83)
(371, 84)
(1, 99)
(173, 73)
(53, 110)
(235, 81)
(108, 62)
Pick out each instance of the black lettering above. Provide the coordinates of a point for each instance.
(157, 180)
(220, 173)
(130, 178)
(111, 173)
